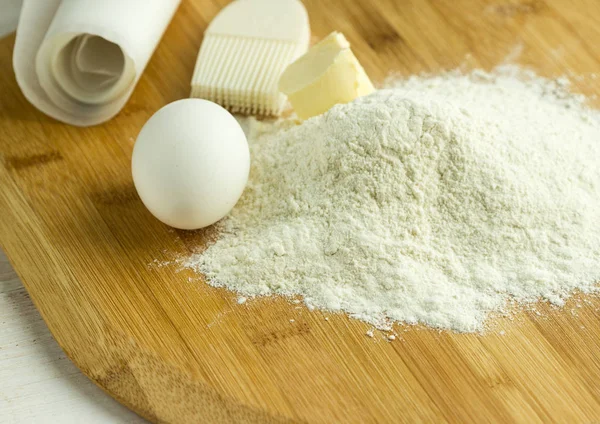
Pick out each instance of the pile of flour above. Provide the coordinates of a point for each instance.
(433, 201)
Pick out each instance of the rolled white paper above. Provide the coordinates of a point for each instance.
(9, 16)
(78, 61)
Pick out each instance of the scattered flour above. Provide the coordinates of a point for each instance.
(434, 201)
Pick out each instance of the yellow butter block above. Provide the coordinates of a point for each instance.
(326, 75)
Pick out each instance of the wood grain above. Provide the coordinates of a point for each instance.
(39, 383)
(176, 350)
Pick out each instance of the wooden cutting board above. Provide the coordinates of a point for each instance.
(176, 350)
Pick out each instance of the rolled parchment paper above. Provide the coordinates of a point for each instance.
(9, 16)
(78, 61)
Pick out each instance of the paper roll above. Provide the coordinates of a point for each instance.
(9, 16)
(78, 61)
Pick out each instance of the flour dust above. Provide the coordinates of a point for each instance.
(434, 201)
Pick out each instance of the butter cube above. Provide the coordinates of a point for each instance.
(326, 75)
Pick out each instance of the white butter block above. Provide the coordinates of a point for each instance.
(326, 75)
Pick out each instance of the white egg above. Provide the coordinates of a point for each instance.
(190, 163)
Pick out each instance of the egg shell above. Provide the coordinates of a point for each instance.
(190, 163)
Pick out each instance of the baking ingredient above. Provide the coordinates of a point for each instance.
(326, 75)
(190, 163)
(435, 201)
(79, 61)
(244, 52)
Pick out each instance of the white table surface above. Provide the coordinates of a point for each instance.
(38, 383)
